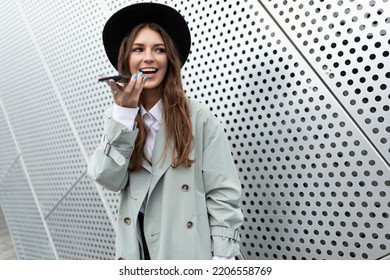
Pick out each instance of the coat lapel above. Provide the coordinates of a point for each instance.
(160, 163)
(147, 166)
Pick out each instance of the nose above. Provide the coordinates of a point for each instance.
(148, 56)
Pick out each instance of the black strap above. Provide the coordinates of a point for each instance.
(144, 245)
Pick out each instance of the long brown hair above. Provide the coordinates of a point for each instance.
(176, 109)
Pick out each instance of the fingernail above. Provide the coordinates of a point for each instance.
(140, 74)
(135, 76)
(145, 78)
(111, 81)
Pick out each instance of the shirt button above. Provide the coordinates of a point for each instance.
(189, 224)
(127, 221)
(185, 188)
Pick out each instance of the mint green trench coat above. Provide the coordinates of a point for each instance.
(191, 213)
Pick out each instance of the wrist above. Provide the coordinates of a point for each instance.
(124, 115)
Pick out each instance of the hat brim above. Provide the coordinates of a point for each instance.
(120, 24)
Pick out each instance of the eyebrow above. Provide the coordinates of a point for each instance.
(155, 45)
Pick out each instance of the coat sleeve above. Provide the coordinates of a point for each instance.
(223, 192)
(108, 165)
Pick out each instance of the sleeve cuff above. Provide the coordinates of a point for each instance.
(219, 258)
(125, 116)
(225, 247)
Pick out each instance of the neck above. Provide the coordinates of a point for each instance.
(150, 98)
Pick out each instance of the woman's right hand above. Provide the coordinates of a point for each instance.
(128, 94)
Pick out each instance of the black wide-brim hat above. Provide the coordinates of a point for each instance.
(124, 20)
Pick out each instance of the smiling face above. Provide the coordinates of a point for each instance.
(148, 55)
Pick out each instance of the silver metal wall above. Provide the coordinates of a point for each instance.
(302, 88)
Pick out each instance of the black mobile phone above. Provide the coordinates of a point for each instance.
(116, 78)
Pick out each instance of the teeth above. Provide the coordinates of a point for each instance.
(149, 70)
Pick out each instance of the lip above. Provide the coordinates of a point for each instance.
(149, 75)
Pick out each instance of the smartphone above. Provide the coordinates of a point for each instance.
(116, 78)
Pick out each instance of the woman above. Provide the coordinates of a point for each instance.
(166, 154)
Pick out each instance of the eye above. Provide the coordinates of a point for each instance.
(137, 50)
(160, 50)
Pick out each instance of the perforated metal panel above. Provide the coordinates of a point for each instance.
(40, 127)
(8, 151)
(51, 148)
(315, 185)
(301, 88)
(347, 43)
(80, 225)
(28, 233)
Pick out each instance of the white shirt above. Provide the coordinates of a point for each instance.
(152, 120)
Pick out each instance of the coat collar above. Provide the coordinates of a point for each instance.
(156, 111)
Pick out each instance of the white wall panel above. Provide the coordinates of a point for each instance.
(50, 151)
(24, 221)
(301, 88)
(347, 44)
(69, 35)
(80, 225)
(8, 150)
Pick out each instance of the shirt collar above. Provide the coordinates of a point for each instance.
(156, 111)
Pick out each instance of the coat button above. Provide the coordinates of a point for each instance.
(189, 224)
(185, 188)
(127, 221)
